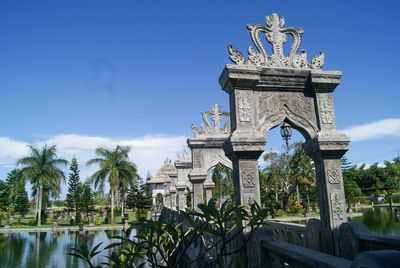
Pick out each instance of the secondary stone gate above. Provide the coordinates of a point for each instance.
(207, 152)
(266, 90)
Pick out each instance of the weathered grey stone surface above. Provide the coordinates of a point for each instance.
(265, 91)
(377, 259)
(207, 152)
(183, 166)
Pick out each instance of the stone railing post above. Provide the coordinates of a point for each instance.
(349, 245)
(313, 234)
(91, 219)
(126, 221)
(55, 220)
(7, 224)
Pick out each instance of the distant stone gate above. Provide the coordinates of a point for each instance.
(266, 90)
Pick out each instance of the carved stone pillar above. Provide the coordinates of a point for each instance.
(197, 177)
(244, 157)
(181, 188)
(208, 186)
(183, 166)
(172, 189)
(326, 151)
(167, 194)
(173, 198)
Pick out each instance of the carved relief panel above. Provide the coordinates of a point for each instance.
(275, 106)
(196, 159)
(244, 108)
(333, 171)
(337, 206)
(326, 113)
(248, 178)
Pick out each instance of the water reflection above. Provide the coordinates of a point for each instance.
(49, 249)
(380, 220)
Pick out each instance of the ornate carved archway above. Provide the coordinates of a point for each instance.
(207, 152)
(265, 90)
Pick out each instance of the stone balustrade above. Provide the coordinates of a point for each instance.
(308, 236)
(297, 245)
(277, 253)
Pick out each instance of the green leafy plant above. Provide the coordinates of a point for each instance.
(165, 244)
(85, 254)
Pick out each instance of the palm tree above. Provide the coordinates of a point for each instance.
(116, 168)
(42, 168)
(222, 177)
(303, 168)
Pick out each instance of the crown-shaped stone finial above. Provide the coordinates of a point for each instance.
(185, 156)
(217, 116)
(276, 35)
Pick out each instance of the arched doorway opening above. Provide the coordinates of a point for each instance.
(159, 200)
(287, 177)
(221, 176)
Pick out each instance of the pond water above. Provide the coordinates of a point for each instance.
(41, 249)
(380, 220)
(49, 249)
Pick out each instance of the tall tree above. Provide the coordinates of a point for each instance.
(303, 170)
(222, 177)
(42, 167)
(86, 199)
(5, 196)
(21, 202)
(74, 187)
(279, 168)
(114, 167)
(16, 181)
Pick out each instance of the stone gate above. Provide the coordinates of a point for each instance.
(266, 90)
(207, 152)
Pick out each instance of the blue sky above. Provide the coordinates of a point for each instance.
(80, 74)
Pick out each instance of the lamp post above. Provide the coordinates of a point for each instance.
(286, 133)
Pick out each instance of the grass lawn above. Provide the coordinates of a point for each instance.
(26, 222)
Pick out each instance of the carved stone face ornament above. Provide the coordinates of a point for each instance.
(276, 35)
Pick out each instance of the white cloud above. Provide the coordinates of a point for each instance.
(147, 152)
(11, 150)
(385, 127)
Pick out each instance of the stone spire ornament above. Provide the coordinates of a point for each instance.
(217, 116)
(276, 35)
(185, 156)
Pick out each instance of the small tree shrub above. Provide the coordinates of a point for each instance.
(396, 197)
(279, 213)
